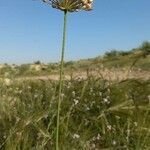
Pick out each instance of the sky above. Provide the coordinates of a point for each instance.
(31, 30)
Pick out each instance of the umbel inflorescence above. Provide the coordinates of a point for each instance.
(65, 6)
(70, 5)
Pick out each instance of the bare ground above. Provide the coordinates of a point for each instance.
(107, 74)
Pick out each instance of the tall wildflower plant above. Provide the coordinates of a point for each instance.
(66, 6)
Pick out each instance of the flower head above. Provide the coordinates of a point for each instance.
(70, 5)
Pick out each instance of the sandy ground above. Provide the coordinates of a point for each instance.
(104, 74)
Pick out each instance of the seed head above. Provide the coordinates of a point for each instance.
(70, 5)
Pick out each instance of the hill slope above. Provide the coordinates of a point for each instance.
(136, 59)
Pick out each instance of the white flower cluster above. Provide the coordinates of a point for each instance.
(71, 5)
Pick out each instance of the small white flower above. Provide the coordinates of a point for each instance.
(91, 90)
(87, 108)
(29, 87)
(4, 96)
(62, 95)
(98, 137)
(76, 101)
(93, 145)
(108, 90)
(117, 117)
(109, 127)
(19, 134)
(36, 95)
(17, 88)
(136, 124)
(4, 136)
(76, 136)
(92, 103)
(100, 93)
(128, 131)
(114, 142)
(73, 93)
(106, 101)
(17, 119)
(69, 85)
(20, 91)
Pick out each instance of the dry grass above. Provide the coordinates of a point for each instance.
(107, 74)
(95, 114)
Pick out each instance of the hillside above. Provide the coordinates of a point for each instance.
(137, 59)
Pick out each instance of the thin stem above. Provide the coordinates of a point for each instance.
(61, 79)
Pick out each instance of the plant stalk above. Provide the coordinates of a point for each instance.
(61, 80)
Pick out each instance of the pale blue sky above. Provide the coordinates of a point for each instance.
(31, 30)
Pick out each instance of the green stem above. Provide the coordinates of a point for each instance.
(61, 79)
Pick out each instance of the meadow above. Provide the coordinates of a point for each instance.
(97, 113)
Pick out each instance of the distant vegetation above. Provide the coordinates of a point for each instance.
(138, 58)
(144, 50)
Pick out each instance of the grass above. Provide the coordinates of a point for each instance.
(104, 110)
(95, 114)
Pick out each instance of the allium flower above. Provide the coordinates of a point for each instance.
(70, 5)
(66, 6)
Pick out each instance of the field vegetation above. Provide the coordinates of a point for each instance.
(97, 113)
